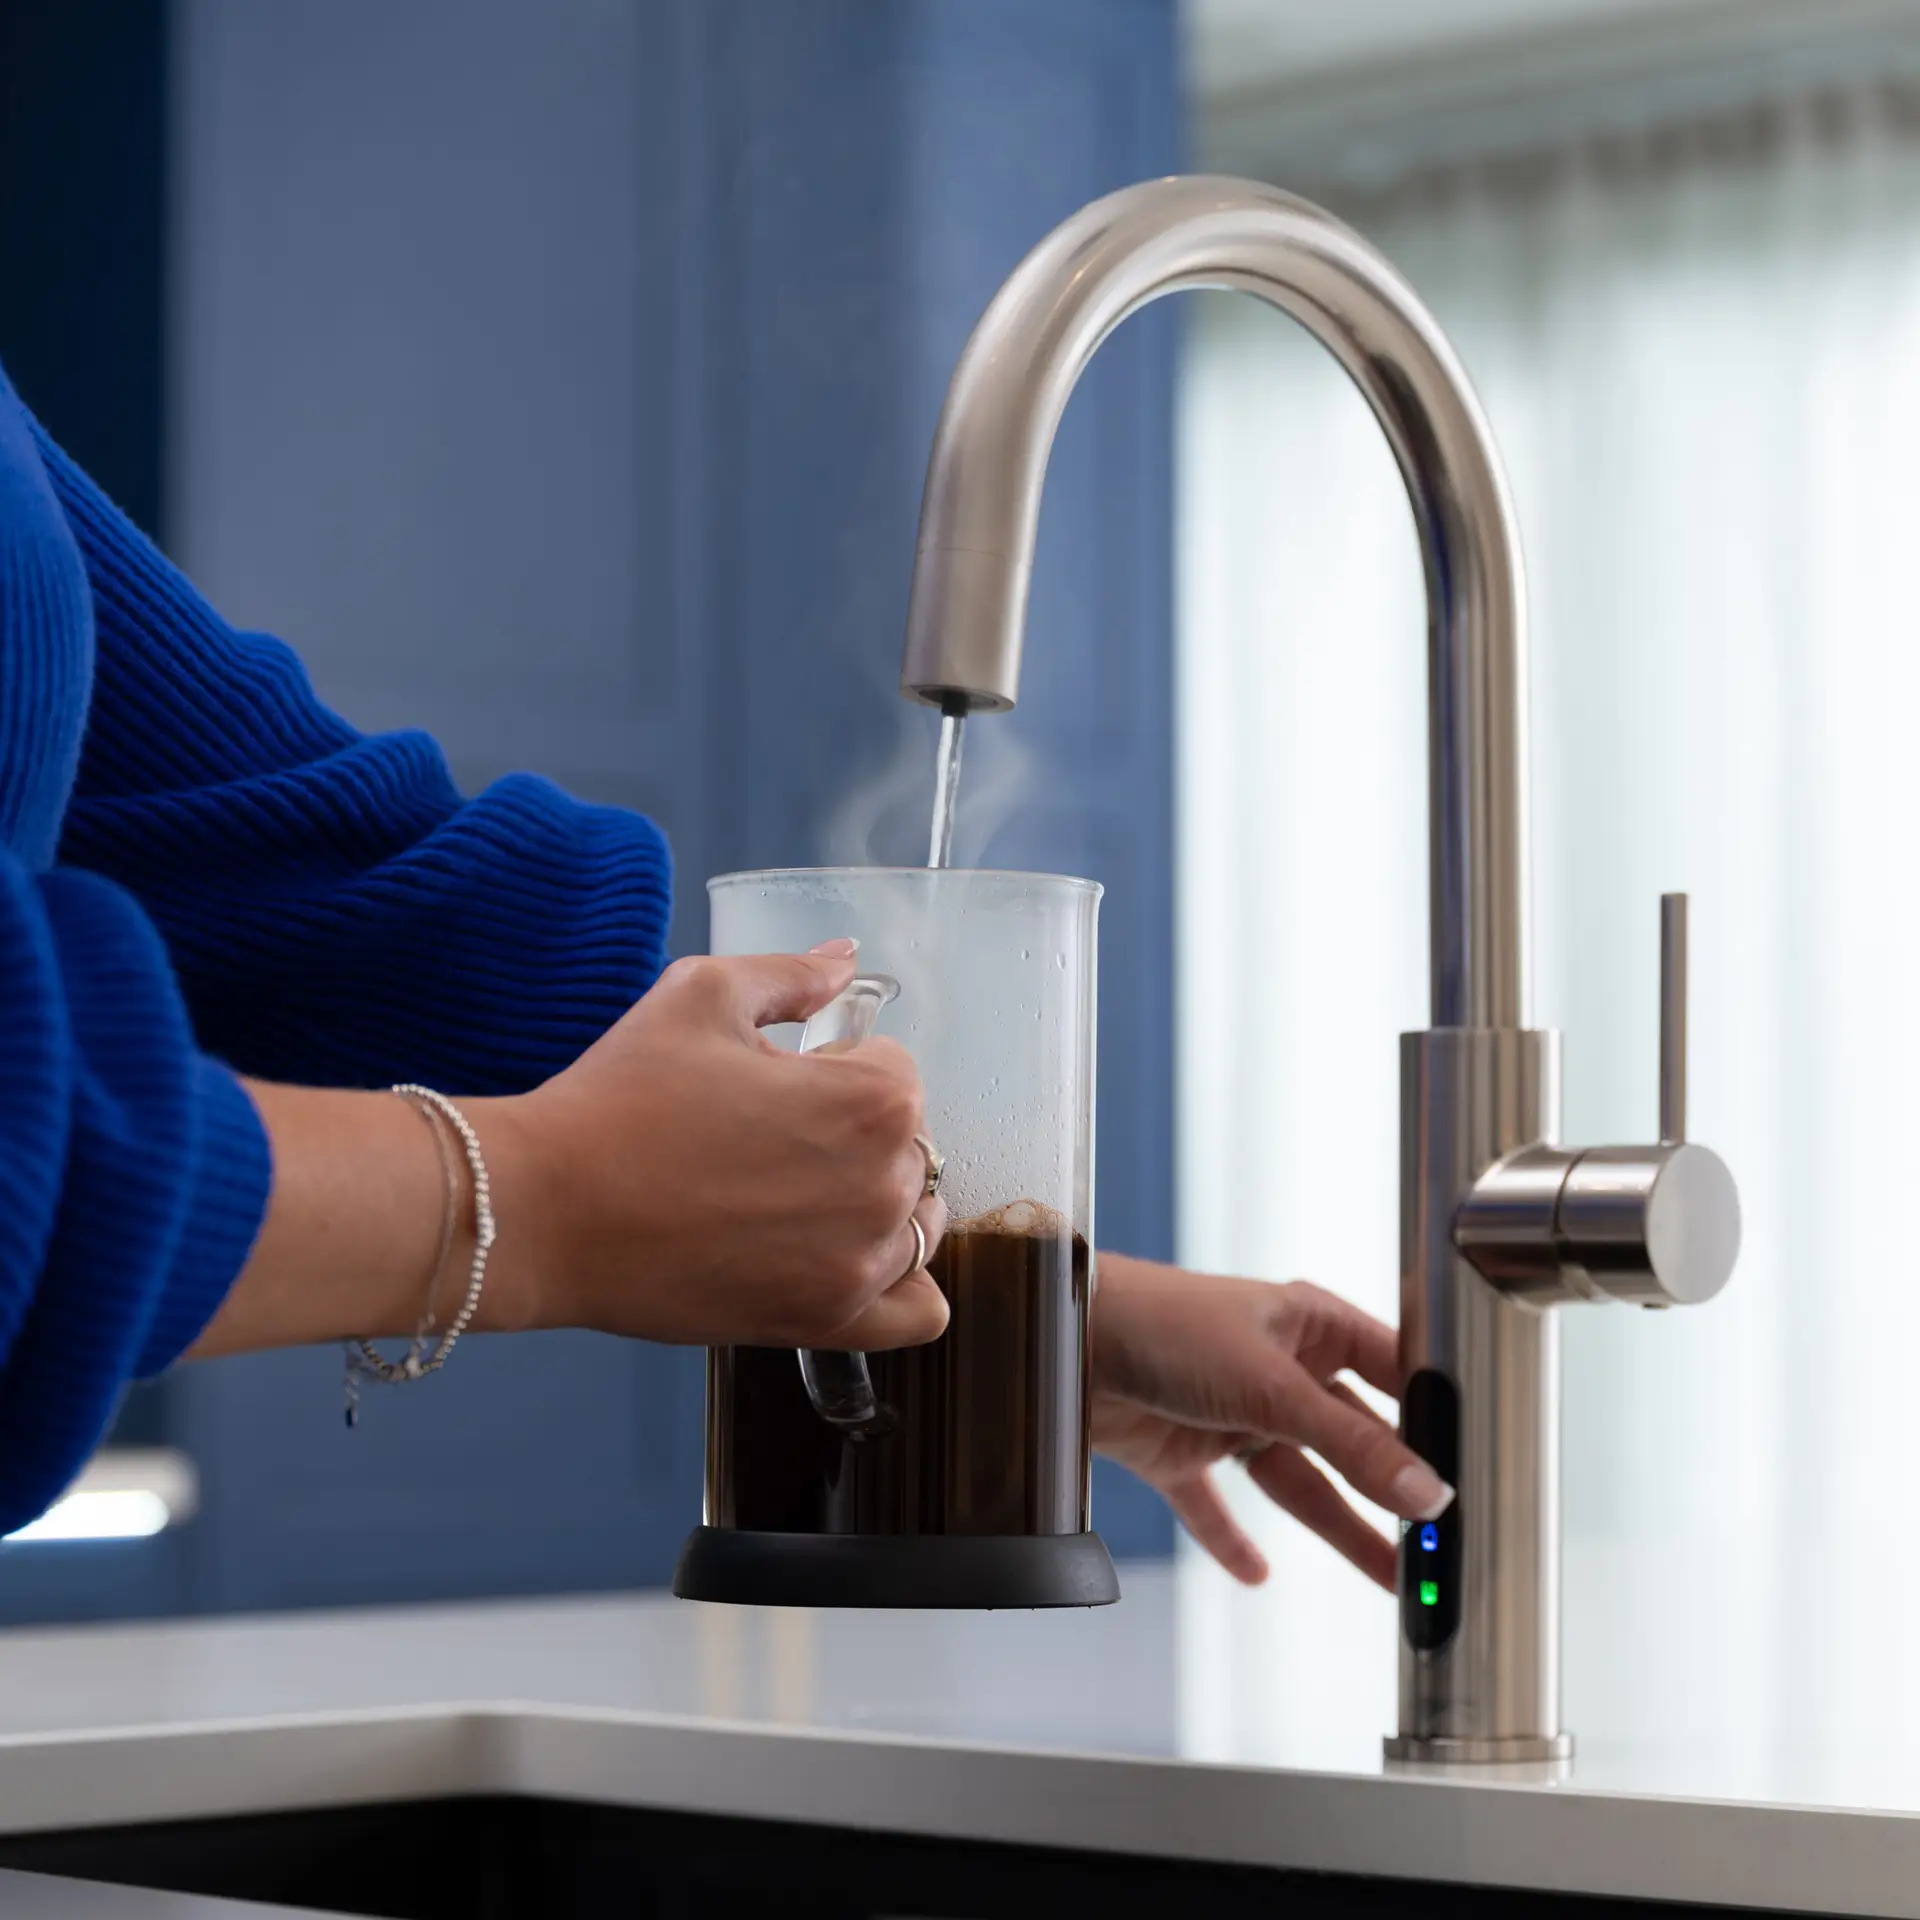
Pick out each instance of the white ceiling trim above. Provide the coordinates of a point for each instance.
(1234, 45)
(1440, 99)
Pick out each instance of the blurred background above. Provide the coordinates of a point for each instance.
(1678, 248)
(559, 374)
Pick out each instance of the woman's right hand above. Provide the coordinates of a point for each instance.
(686, 1180)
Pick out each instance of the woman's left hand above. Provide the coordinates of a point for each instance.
(1190, 1369)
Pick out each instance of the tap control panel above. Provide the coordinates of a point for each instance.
(1430, 1549)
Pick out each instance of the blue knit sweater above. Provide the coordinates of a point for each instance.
(201, 869)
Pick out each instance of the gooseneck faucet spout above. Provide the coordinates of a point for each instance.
(1499, 1222)
(967, 618)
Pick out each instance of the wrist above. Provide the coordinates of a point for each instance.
(527, 1271)
(1106, 1316)
(1127, 1292)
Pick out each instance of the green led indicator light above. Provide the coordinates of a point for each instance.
(1429, 1593)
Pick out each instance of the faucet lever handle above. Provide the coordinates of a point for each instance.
(1673, 1018)
(1658, 1226)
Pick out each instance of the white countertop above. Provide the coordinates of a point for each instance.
(39, 1896)
(1063, 1729)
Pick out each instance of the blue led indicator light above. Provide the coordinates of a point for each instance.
(1429, 1538)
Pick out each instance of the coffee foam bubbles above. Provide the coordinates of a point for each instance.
(1033, 1218)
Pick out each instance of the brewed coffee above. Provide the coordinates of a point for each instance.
(987, 1431)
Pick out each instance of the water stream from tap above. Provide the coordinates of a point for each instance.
(840, 1385)
(946, 783)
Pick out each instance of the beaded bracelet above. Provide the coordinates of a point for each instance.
(362, 1361)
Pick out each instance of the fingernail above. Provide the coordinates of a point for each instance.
(836, 949)
(1420, 1493)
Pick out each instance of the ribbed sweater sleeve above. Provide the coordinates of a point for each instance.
(335, 911)
(133, 1173)
(133, 1169)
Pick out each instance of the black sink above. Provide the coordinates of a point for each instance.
(500, 1858)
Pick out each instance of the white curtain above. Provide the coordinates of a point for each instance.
(1701, 354)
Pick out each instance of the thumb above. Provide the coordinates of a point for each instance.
(767, 988)
(910, 1313)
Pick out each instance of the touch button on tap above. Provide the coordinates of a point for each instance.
(1430, 1549)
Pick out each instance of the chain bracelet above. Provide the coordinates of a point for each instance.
(361, 1358)
(449, 1216)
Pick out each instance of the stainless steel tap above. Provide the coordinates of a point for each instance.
(1499, 1222)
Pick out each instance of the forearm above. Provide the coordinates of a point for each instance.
(355, 1218)
(1123, 1315)
(1123, 1274)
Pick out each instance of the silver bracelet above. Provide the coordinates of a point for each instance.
(362, 1361)
(449, 1214)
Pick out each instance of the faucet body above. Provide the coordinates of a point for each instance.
(1498, 1222)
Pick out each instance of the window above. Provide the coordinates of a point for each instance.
(1700, 350)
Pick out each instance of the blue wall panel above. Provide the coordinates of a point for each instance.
(561, 378)
(82, 189)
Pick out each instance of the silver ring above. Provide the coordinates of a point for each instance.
(919, 1259)
(936, 1164)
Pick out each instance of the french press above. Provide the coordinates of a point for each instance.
(956, 1474)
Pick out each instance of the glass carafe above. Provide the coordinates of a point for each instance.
(982, 1435)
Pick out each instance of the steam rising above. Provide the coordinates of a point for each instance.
(884, 820)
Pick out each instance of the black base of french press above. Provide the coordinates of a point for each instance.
(970, 1571)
